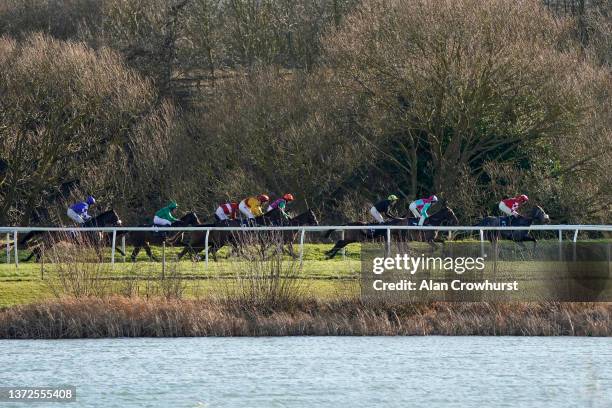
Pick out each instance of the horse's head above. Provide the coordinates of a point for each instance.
(113, 218)
(311, 217)
(191, 219)
(538, 214)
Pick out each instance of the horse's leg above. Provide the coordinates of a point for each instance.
(32, 253)
(120, 251)
(98, 250)
(212, 250)
(431, 238)
(529, 238)
(187, 248)
(135, 252)
(147, 249)
(290, 250)
(339, 245)
(332, 252)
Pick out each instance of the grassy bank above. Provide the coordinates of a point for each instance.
(326, 279)
(132, 317)
(78, 296)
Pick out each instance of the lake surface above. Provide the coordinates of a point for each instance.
(318, 371)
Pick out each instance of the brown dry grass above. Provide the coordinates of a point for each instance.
(134, 317)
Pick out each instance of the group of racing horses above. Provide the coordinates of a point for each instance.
(194, 242)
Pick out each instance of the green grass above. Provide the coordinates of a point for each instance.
(324, 278)
(30, 281)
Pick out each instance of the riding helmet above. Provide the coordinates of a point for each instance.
(392, 197)
(523, 198)
(91, 200)
(288, 197)
(263, 198)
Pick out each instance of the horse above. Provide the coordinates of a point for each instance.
(218, 239)
(288, 237)
(537, 214)
(39, 241)
(445, 216)
(144, 239)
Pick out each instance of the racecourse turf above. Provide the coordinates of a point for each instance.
(192, 278)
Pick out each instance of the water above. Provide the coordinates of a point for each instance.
(318, 371)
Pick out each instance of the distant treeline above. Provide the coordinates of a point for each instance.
(340, 102)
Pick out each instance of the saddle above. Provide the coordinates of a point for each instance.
(244, 222)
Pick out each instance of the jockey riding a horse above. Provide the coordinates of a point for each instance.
(384, 207)
(419, 207)
(78, 212)
(510, 206)
(250, 207)
(227, 211)
(164, 217)
(281, 204)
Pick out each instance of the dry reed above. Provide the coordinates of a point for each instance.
(137, 317)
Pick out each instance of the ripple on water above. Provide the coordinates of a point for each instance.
(319, 371)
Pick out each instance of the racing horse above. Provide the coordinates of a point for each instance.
(536, 215)
(218, 239)
(39, 241)
(445, 216)
(144, 239)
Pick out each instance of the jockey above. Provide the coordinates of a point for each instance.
(164, 217)
(383, 207)
(419, 208)
(250, 207)
(227, 211)
(78, 211)
(509, 206)
(281, 204)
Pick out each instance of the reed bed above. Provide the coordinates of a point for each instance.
(264, 298)
(118, 316)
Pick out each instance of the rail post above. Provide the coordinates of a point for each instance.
(15, 245)
(8, 248)
(560, 245)
(113, 246)
(164, 259)
(575, 235)
(388, 246)
(482, 249)
(123, 246)
(302, 234)
(343, 250)
(42, 264)
(206, 247)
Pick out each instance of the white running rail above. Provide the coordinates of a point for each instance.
(15, 231)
